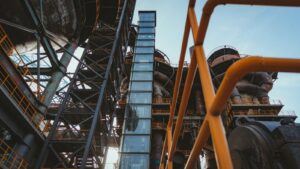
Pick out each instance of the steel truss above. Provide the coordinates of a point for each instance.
(78, 132)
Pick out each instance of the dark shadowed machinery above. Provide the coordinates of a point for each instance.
(78, 78)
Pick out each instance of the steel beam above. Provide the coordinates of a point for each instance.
(57, 76)
(38, 71)
(41, 31)
(44, 151)
(103, 87)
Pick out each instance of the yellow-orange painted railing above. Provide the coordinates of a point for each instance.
(214, 102)
(10, 159)
(12, 88)
(24, 104)
(9, 49)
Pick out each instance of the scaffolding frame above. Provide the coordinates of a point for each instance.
(97, 69)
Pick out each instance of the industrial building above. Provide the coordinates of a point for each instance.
(60, 110)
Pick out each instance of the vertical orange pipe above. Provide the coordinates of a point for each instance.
(176, 87)
(162, 158)
(209, 94)
(183, 104)
(201, 140)
(220, 144)
(179, 72)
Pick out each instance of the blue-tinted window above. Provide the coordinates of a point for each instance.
(143, 67)
(144, 50)
(141, 76)
(134, 161)
(146, 36)
(146, 30)
(136, 125)
(147, 16)
(141, 86)
(145, 43)
(146, 24)
(143, 58)
(142, 98)
(136, 143)
(142, 111)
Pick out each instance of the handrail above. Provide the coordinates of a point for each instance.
(9, 158)
(24, 104)
(9, 48)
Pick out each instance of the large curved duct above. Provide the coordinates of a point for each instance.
(160, 91)
(254, 86)
(64, 19)
(267, 145)
(163, 79)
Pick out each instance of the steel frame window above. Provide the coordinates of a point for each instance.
(136, 141)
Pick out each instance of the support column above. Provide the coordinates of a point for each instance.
(23, 149)
(57, 76)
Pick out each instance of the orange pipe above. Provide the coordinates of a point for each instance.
(169, 139)
(183, 104)
(233, 74)
(163, 153)
(211, 4)
(176, 88)
(209, 94)
(179, 71)
(247, 65)
(199, 143)
(177, 84)
(193, 21)
(205, 77)
(220, 144)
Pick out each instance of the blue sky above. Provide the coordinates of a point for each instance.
(253, 30)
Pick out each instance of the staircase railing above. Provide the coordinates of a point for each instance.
(23, 103)
(12, 88)
(10, 51)
(10, 159)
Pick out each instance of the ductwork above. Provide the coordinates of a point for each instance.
(164, 79)
(160, 91)
(253, 88)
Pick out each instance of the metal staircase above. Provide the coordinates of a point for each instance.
(80, 120)
(10, 82)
